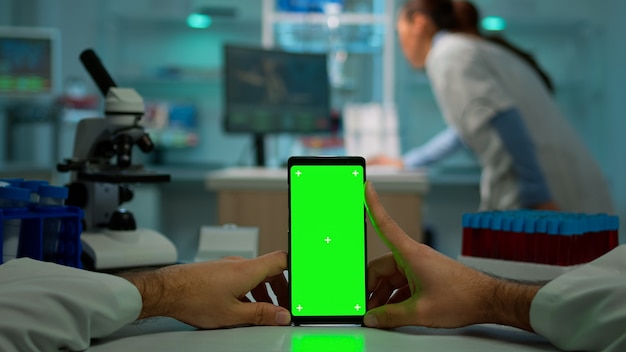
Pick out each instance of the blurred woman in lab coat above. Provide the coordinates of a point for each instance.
(503, 112)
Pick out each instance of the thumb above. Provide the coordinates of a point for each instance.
(262, 314)
(390, 316)
(389, 231)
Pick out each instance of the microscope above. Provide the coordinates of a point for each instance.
(102, 171)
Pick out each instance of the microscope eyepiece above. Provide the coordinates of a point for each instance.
(96, 69)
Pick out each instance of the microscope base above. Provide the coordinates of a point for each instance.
(128, 249)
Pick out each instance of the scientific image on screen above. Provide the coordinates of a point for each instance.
(25, 65)
(327, 241)
(271, 91)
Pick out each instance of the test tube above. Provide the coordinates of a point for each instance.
(51, 200)
(13, 201)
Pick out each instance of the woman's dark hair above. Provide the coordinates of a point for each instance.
(530, 60)
(440, 11)
(467, 17)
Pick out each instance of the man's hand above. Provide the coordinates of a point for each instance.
(211, 294)
(432, 289)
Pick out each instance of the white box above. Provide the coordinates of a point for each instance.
(229, 240)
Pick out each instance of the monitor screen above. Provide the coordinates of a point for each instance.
(28, 61)
(272, 91)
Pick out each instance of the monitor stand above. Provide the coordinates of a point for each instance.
(259, 147)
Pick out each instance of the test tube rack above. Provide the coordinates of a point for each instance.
(69, 247)
(535, 244)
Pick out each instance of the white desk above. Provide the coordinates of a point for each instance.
(258, 197)
(170, 335)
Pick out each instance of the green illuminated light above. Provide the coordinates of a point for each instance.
(198, 20)
(327, 240)
(494, 23)
(303, 342)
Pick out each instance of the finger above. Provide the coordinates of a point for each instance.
(393, 236)
(281, 289)
(390, 316)
(384, 267)
(400, 295)
(269, 265)
(262, 314)
(260, 293)
(381, 294)
(379, 268)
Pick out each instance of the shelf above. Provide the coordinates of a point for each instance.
(314, 37)
(147, 80)
(178, 76)
(352, 31)
(322, 19)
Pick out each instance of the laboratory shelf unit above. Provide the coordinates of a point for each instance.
(357, 28)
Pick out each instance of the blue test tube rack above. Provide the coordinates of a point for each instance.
(30, 245)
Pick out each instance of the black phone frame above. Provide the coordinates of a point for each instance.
(325, 160)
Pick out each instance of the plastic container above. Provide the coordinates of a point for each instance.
(14, 182)
(571, 226)
(529, 240)
(51, 201)
(33, 187)
(486, 235)
(506, 238)
(13, 203)
(468, 233)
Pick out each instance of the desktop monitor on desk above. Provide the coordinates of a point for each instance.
(30, 81)
(273, 91)
(29, 62)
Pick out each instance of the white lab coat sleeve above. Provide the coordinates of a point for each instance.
(50, 307)
(585, 309)
(468, 92)
(437, 148)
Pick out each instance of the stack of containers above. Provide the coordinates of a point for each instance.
(48, 230)
(543, 237)
(305, 5)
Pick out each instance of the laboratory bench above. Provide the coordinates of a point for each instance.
(258, 197)
(249, 196)
(213, 194)
(166, 334)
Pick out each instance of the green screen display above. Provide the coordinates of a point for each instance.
(327, 245)
(353, 342)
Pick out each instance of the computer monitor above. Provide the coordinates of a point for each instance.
(274, 91)
(29, 62)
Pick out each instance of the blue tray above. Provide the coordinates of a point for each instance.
(69, 247)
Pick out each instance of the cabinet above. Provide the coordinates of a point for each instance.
(360, 28)
(241, 192)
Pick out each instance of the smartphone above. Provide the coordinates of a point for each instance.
(327, 240)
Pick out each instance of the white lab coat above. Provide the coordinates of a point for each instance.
(585, 309)
(49, 307)
(474, 80)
